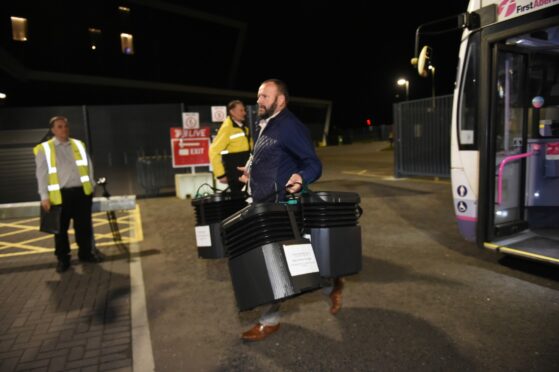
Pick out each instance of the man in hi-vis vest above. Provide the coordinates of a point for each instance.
(65, 178)
(231, 147)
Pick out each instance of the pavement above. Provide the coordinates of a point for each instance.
(425, 300)
(79, 320)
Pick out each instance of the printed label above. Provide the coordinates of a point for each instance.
(203, 237)
(300, 259)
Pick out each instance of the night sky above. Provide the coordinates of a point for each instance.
(351, 54)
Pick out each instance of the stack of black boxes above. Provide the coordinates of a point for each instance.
(210, 210)
(270, 261)
(329, 221)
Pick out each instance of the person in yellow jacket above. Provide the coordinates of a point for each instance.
(65, 180)
(231, 147)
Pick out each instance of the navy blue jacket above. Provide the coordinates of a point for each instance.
(284, 147)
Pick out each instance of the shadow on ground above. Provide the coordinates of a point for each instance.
(371, 339)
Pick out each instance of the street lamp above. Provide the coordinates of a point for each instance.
(432, 69)
(406, 83)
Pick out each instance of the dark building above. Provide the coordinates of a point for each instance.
(114, 52)
(123, 72)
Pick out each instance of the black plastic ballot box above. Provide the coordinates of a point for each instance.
(210, 210)
(330, 222)
(268, 261)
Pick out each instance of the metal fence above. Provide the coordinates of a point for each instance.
(422, 137)
(129, 144)
(155, 173)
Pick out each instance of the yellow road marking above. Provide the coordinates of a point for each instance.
(139, 236)
(21, 221)
(42, 237)
(132, 220)
(386, 177)
(19, 231)
(22, 253)
(24, 246)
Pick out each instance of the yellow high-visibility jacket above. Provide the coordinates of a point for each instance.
(78, 149)
(230, 138)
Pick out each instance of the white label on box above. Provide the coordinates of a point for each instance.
(300, 259)
(203, 238)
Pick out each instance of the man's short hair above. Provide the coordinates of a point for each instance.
(282, 87)
(55, 118)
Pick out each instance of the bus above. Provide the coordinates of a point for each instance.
(505, 126)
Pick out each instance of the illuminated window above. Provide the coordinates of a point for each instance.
(127, 43)
(19, 28)
(94, 38)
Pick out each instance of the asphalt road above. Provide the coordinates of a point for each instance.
(426, 300)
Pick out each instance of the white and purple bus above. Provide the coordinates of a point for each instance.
(505, 127)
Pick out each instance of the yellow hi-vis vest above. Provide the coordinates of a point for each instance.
(229, 139)
(80, 156)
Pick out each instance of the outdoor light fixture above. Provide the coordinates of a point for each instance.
(405, 83)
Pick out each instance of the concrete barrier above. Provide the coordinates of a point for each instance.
(186, 185)
(100, 204)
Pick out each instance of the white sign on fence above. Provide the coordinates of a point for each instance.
(190, 120)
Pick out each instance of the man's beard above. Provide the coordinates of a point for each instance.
(267, 112)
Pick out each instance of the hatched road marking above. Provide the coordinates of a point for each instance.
(22, 237)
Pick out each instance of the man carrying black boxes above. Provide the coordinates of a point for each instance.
(284, 159)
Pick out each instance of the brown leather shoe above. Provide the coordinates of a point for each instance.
(336, 296)
(259, 332)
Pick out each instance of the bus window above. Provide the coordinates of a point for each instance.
(543, 81)
(469, 94)
(509, 106)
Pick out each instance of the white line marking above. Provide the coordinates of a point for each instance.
(142, 351)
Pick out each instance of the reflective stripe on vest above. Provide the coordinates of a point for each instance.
(82, 165)
(53, 187)
(80, 157)
(237, 135)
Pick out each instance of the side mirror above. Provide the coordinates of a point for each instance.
(423, 61)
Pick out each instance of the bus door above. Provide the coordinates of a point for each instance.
(523, 219)
(509, 135)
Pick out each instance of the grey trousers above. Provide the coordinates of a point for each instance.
(271, 313)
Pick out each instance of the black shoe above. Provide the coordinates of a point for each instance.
(91, 258)
(62, 266)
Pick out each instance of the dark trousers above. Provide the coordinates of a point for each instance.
(76, 206)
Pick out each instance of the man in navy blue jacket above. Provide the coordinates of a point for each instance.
(283, 160)
(284, 155)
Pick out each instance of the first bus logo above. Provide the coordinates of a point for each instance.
(509, 7)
